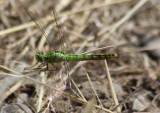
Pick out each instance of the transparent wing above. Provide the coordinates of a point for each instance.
(66, 47)
(56, 38)
(58, 79)
(57, 75)
(65, 44)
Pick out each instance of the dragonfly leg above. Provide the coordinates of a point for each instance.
(40, 65)
(45, 69)
(34, 64)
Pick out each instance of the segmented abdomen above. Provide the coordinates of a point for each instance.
(71, 58)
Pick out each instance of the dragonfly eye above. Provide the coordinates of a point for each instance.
(39, 57)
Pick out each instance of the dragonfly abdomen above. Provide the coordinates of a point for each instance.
(71, 58)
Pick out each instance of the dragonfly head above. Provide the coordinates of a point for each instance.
(39, 57)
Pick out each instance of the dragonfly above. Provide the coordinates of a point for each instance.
(59, 54)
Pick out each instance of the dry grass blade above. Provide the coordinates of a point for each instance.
(113, 93)
(90, 106)
(124, 19)
(90, 82)
(132, 94)
(130, 26)
(31, 24)
(67, 95)
(103, 48)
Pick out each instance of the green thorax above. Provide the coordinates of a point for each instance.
(59, 56)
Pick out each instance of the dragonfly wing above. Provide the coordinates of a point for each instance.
(58, 79)
(65, 44)
(56, 37)
(63, 39)
(42, 27)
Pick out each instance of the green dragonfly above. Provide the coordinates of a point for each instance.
(60, 54)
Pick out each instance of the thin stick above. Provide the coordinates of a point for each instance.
(80, 93)
(92, 87)
(67, 95)
(98, 49)
(124, 19)
(131, 95)
(49, 18)
(41, 92)
(113, 93)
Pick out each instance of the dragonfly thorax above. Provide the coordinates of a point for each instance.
(51, 57)
(55, 56)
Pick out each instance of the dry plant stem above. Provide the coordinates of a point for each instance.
(17, 28)
(24, 52)
(44, 103)
(124, 19)
(11, 90)
(41, 92)
(98, 49)
(67, 95)
(90, 106)
(14, 87)
(26, 37)
(113, 93)
(49, 18)
(92, 87)
(46, 109)
(75, 85)
(131, 95)
(156, 97)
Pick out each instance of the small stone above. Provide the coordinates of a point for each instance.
(155, 45)
(23, 97)
(140, 103)
(16, 108)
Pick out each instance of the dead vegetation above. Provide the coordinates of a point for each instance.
(127, 27)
